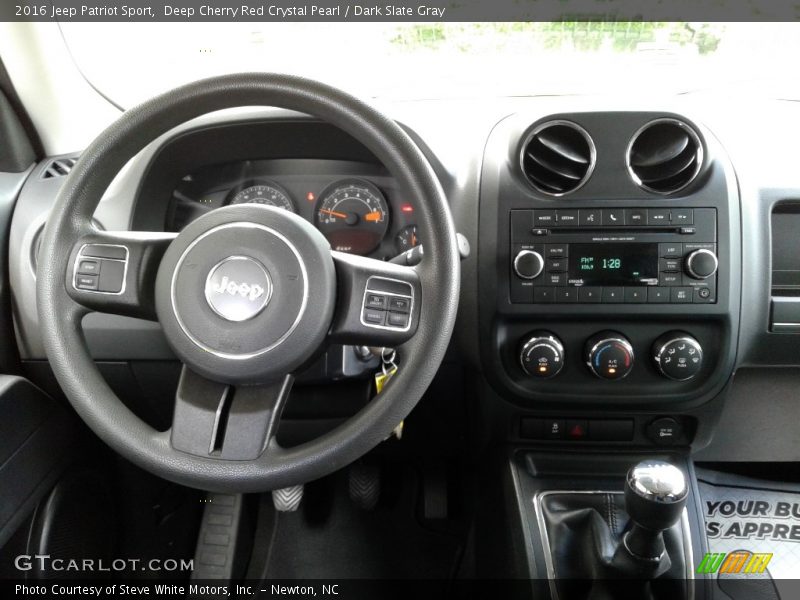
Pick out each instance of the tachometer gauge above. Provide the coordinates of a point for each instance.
(268, 193)
(407, 239)
(353, 215)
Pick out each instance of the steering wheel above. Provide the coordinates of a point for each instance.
(246, 296)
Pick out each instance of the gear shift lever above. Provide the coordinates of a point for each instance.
(655, 496)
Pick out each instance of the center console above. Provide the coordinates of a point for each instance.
(609, 271)
(609, 277)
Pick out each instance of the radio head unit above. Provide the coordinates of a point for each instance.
(616, 255)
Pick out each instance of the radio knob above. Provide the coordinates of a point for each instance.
(701, 264)
(678, 355)
(609, 355)
(528, 264)
(542, 355)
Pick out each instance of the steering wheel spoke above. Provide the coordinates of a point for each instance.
(115, 271)
(378, 303)
(216, 420)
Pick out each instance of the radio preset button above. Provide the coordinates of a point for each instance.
(544, 218)
(590, 218)
(658, 216)
(613, 217)
(567, 295)
(566, 218)
(658, 295)
(613, 295)
(590, 295)
(544, 295)
(635, 295)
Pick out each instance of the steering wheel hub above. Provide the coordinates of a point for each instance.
(246, 293)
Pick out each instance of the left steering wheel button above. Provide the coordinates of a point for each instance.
(88, 267)
(87, 282)
(112, 276)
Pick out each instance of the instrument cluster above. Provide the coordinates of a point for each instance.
(358, 207)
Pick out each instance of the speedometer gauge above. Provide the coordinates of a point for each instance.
(353, 215)
(268, 193)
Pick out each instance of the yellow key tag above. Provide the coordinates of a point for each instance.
(381, 379)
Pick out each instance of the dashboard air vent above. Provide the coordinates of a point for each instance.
(558, 157)
(59, 167)
(665, 156)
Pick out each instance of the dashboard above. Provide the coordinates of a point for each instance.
(357, 206)
(628, 260)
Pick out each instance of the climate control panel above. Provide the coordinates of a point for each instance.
(609, 355)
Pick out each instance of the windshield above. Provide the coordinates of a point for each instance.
(130, 62)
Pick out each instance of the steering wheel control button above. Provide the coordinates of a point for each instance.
(105, 251)
(665, 431)
(86, 282)
(376, 301)
(238, 288)
(395, 319)
(399, 299)
(542, 355)
(678, 356)
(88, 267)
(104, 272)
(399, 304)
(609, 355)
(374, 317)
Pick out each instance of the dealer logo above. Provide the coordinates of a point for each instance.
(740, 562)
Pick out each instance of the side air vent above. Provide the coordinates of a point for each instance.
(665, 156)
(558, 157)
(59, 167)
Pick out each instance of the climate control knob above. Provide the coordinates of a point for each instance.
(528, 264)
(678, 355)
(542, 355)
(701, 264)
(609, 355)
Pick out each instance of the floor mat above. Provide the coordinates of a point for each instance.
(330, 538)
(752, 517)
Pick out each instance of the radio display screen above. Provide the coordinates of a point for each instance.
(613, 264)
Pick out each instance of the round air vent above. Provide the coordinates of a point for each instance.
(665, 156)
(558, 157)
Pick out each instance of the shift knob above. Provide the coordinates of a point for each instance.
(655, 496)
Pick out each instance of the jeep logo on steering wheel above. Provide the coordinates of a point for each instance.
(238, 288)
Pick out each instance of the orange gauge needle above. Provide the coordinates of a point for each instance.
(333, 213)
(373, 216)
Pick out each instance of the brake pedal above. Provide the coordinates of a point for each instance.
(288, 499)
(364, 485)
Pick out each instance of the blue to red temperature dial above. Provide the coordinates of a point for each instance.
(609, 355)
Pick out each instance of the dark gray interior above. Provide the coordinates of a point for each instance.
(581, 283)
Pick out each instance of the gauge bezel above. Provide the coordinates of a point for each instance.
(369, 187)
(251, 183)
